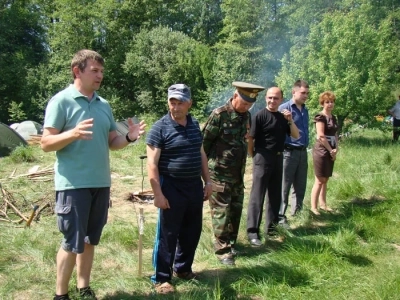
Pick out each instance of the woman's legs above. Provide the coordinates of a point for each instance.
(318, 192)
(322, 195)
(322, 198)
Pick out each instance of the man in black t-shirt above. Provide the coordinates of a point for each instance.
(268, 131)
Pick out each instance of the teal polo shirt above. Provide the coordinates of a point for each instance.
(82, 163)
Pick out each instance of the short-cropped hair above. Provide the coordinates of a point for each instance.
(300, 83)
(82, 56)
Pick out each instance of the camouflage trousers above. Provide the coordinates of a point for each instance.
(226, 205)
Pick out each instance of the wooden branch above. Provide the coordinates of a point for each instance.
(41, 179)
(40, 210)
(16, 210)
(35, 174)
(11, 221)
(3, 191)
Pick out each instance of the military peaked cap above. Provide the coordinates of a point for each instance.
(248, 91)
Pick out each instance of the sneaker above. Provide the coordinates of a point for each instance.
(255, 242)
(164, 288)
(63, 297)
(86, 293)
(226, 259)
(185, 275)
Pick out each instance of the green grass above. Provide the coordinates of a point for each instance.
(352, 253)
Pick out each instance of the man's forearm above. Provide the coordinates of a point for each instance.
(118, 142)
(55, 142)
(154, 177)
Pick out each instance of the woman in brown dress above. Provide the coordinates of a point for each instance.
(324, 151)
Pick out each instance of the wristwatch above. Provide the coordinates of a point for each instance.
(128, 139)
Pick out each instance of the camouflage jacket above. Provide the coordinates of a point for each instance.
(224, 142)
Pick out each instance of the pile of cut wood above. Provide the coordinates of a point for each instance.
(34, 139)
(14, 208)
(144, 197)
(35, 174)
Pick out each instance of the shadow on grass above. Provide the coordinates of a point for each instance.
(357, 260)
(247, 251)
(326, 223)
(120, 295)
(331, 222)
(219, 283)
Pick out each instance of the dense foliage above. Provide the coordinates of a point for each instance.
(348, 46)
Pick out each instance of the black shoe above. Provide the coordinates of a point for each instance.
(234, 252)
(86, 293)
(272, 233)
(227, 259)
(63, 297)
(255, 242)
(186, 275)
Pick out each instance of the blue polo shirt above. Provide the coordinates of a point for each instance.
(180, 147)
(82, 163)
(300, 118)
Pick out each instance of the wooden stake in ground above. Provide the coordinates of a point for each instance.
(140, 247)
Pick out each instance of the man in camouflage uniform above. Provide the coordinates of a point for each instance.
(224, 141)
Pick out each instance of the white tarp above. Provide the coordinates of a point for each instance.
(28, 128)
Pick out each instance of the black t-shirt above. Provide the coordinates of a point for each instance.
(269, 130)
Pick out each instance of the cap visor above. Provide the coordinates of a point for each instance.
(247, 98)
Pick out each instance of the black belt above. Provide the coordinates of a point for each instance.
(290, 147)
(261, 150)
(274, 152)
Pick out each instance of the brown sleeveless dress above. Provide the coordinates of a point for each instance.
(323, 163)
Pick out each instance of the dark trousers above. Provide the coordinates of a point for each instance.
(267, 176)
(295, 166)
(178, 228)
(396, 129)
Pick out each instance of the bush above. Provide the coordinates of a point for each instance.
(22, 154)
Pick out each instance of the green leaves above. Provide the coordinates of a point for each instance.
(348, 46)
(22, 47)
(159, 58)
(351, 56)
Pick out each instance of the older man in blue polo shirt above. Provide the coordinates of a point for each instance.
(295, 163)
(176, 163)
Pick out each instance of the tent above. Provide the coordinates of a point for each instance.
(9, 140)
(14, 125)
(28, 128)
(122, 126)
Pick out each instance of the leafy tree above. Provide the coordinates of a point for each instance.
(351, 56)
(159, 58)
(199, 19)
(22, 48)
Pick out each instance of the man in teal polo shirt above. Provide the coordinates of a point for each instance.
(80, 127)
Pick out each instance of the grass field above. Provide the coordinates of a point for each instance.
(353, 253)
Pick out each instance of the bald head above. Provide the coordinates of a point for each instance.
(274, 98)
